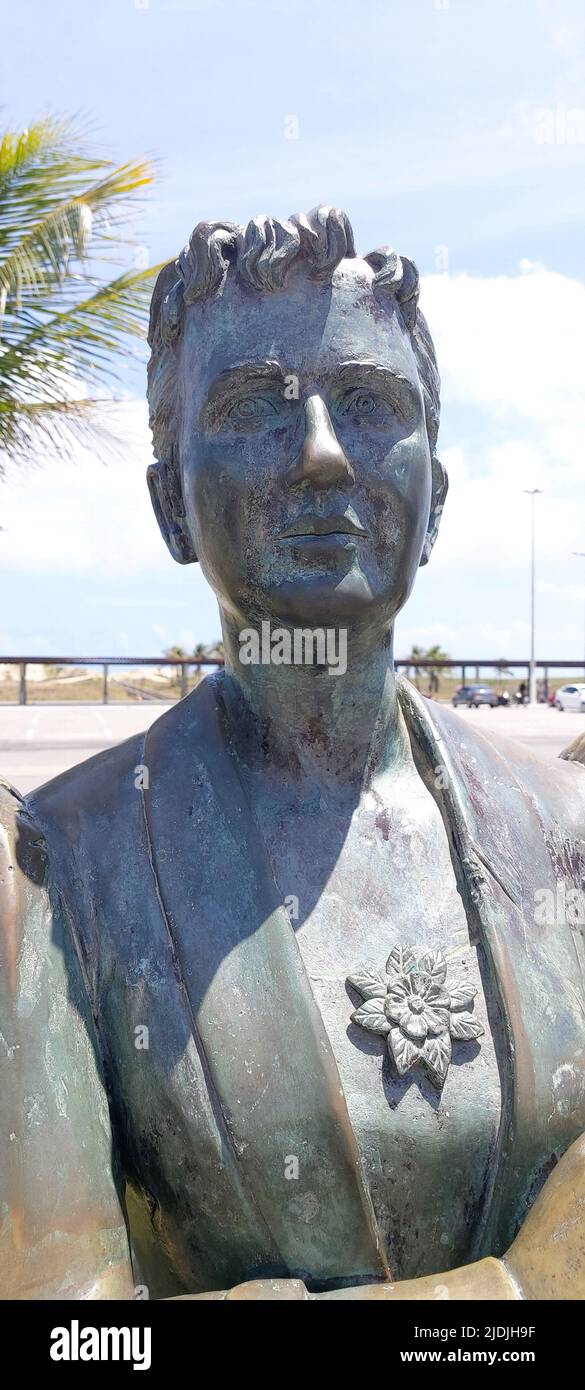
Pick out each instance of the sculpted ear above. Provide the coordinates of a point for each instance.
(439, 492)
(166, 495)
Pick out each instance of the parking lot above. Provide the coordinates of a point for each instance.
(545, 731)
(39, 741)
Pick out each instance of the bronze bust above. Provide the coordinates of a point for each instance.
(284, 1010)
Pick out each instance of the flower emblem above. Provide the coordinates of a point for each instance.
(409, 1005)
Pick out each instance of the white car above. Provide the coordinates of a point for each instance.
(571, 697)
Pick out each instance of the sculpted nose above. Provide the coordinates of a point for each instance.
(322, 461)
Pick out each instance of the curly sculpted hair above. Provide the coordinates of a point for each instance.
(261, 255)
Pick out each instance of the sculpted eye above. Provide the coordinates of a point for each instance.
(364, 404)
(378, 409)
(361, 404)
(251, 410)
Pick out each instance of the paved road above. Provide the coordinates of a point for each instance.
(545, 731)
(37, 742)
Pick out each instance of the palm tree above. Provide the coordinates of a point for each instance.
(414, 659)
(436, 653)
(419, 658)
(176, 654)
(63, 318)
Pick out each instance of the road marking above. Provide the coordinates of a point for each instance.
(30, 733)
(101, 720)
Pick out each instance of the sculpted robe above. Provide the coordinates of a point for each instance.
(164, 1054)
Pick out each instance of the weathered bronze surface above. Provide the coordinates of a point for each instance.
(575, 751)
(188, 919)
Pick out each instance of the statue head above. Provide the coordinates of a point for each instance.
(294, 405)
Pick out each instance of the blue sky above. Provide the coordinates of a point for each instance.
(455, 132)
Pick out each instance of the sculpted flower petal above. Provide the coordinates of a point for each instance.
(462, 996)
(420, 982)
(399, 989)
(437, 997)
(464, 1028)
(437, 1056)
(401, 960)
(404, 1052)
(435, 965)
(371, 1016)
(437, 1020)
(370, 983)
(394, 1008)
(414, 1025)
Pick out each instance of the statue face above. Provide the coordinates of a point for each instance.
(304, 456)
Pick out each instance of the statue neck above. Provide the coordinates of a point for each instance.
(318, 724)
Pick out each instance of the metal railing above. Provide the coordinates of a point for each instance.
(105, 662)
(184, 664)
(502, 667)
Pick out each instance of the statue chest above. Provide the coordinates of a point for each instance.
(425, 1149)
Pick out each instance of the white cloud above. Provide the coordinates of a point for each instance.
(511, 351)
(465, 639)
(486, 521)
(80, 515)
(513, 344)
(486, 527)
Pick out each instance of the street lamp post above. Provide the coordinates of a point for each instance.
(532, 492)
(581, 556)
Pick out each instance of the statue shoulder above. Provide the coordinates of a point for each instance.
(103, 788)
(97, 786)
(22, 864)
(575, 751)
(10, 804)
(555, 785)
(494, 769)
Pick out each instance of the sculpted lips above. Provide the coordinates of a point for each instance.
(335, 524)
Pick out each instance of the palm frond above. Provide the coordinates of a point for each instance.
(82, 340)
(42, 257)
(62, 320)
(58, 424)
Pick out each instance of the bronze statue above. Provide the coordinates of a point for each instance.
(293, 986)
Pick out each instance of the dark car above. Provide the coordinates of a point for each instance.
(475, 695)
